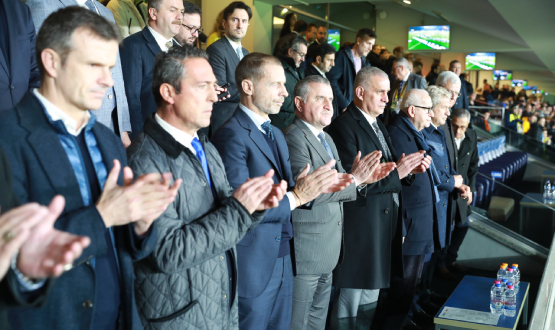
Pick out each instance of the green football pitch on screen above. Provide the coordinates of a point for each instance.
(434, 37)
(480, 61)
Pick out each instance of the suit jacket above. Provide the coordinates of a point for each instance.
(462, 100)
(418, 198)
(342, 76)
(41, 9)
(41, 171)
(312, 71)
(373, 223)
(224, 60)
(18, 73)
(375, 60)
(414, 82)
(246, 154)
(467, 166)
(318, 229)
(287, 111)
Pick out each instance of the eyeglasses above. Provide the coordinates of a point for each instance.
(194, 29)
(428, 110)
(457, 94)
(300, 54)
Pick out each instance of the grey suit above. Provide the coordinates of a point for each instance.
(115, 97)
(414, 82)
(318, 230)
(224, 60)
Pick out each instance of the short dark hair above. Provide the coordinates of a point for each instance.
(300, 26)
(417, 63)
(251, 67)
(291, 41)
(310, 26)
(362, 33)
(58, 28)
(191, 8)
(453, 62)
(169, 68)
(236, 5)
(375, 46)
(322, 50)
(302, 87)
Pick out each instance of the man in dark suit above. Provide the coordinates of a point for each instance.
(462, 99)
(373, 251)
(224, 56)
(324, 60)
(404, 82)
(317, 256)
(291, 56)
(348, 61)
(406, 135)
(374, 57)
(250, 146)
(55, 146)
(18, 65)
(138, 52)
(462, 146)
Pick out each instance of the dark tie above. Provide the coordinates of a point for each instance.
(90, 5)
(202, 157)
(386, 152)
(400, 88)
(239, 52)
(267, 127)
(325, 143)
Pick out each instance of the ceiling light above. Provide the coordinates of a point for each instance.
(284, 11)
(407, 2)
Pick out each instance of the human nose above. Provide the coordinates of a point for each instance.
(106, 78)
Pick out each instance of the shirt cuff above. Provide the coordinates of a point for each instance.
(362, 185)
(292, 200)
(25, 284)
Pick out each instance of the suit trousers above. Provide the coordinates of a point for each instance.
(272, 309)
(457, 239)
(311, 297)
(353, 309)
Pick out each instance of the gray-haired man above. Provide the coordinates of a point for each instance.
(318, 228)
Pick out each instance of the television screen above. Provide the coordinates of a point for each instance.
(519, 83)
(502, 75)
(334, 38)
(529, 88)
(429, 37)
(480, 61)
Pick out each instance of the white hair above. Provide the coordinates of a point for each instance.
(448, 76)
(403, 62)
(437, 93)
(412, 97)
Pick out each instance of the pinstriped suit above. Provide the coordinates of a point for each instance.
(318, 230)
(40, 10)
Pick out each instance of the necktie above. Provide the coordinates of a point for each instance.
(268, 130)
(386, 152)
(325, 143)
(169, 44)
(90, 5)
(239, 51)
(202, 157)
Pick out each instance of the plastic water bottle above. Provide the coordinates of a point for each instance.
(516, 273)
(493, 287)
(502, 272)
(510, 276)
(547, 192)
(552, 195)
(497, 300)
(504, 283)
(510, 301)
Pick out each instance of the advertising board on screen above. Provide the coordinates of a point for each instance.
(434, 37)
(334, 38)
(480, 61)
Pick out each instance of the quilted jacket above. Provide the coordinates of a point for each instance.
(184, 283)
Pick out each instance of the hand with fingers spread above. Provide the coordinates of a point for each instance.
(406, 164)
(381, 172)
(139, 202)
(255, 192)
(424, 164)
(363, 168)
(46, 250)
(275, 195)
(222, 90)
(309, 186)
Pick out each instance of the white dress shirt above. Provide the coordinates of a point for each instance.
(56, 114)
(459, 141)
(406, 77)
(234, 44)
(160, 39)
(370, 119)
(320, 71)
(81, 3)
(258, 121)
(179, 136)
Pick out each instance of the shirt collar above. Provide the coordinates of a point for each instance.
(312, 128)
(370, 119)
(56, 114)
(406, 77)
(234, 44)
(256, 118)
(160, 39)
(180, 136)
(320, 71)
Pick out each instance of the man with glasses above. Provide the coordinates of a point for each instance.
(190, 26)
(224, 56)
(405, 81)
(291, 55)
(405, 131)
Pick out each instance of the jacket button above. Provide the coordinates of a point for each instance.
(88, 263)
(386, 211)
(12, 87)
(221, 257)
(446, 166)
(203, 184)
(444, 205)
(339, 223)
(225, 296)
(278, 239)
(87, 304)
(110, 97)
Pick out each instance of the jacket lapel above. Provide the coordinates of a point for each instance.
(365, 125)
(108, 152)
(14, 47)
(313, 140)
(151, 42)
(231, 52)
(3, 62)
(257, 137)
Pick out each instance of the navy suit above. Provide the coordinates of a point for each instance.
(246, 154)
(462, 101)
(41, 170)
(18, 71)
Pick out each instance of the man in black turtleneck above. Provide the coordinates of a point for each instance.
(291, 56)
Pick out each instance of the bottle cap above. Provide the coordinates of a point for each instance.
(511, 287)
(498, 285)
(509, 283)
(504, 265)
(515, 265)
(510, 270)
(504, 280)
(497, 282)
